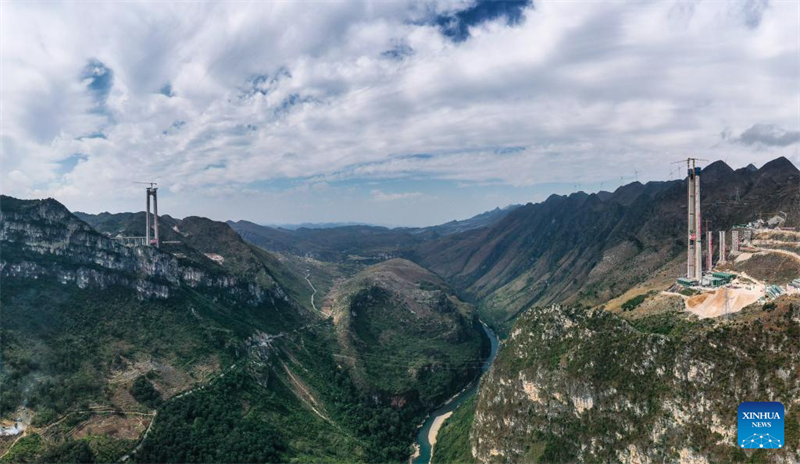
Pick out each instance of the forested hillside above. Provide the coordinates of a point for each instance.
(206, 344)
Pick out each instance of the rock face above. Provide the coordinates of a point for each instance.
(576, 385)
(42, 238)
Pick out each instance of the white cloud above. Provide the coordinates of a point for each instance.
(280, 92)
(378, 195)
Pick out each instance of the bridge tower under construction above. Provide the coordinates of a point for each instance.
(152, 191)
(694, 257)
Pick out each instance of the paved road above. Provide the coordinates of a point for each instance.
(308, 273)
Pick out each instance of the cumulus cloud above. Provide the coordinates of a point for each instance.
(769, 135)
(378, 195)
(239, 99)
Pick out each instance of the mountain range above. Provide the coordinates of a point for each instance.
(581, 248)
(241, 342)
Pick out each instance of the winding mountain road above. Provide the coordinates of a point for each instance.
(308, 273)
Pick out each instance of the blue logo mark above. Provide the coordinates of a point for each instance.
(760, 424)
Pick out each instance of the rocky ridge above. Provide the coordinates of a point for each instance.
(41, 237)
(579, 385)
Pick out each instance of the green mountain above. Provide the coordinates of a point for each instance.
(203, 347)
(206, 242)
(582, 248)
(358, 243)
(334, 345)
(398, 311)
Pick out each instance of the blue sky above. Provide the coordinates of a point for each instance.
(406, 113)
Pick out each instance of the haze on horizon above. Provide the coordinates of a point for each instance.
(402, 113)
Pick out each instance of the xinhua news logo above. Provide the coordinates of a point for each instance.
(760, 425)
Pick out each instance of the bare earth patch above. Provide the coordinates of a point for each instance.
(713, 304)
(126, 426)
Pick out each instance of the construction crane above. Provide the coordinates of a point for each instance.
(689, 161)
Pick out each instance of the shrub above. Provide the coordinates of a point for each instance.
(145, 393)
(634, 302)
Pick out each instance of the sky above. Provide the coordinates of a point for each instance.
(386, 112)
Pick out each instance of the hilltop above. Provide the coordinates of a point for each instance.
(397, 310)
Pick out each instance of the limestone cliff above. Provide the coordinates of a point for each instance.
(42, 238)
(577, 385)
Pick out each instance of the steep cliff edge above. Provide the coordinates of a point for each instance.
(42, 238)
(578, 385)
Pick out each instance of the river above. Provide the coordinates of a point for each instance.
(435, 419)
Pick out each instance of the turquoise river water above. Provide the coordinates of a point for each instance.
(425, 449)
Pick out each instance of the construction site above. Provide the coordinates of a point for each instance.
(755, 262)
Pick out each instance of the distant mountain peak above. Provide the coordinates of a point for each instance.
(47, 208)
(718, 166)
(780, 164)
(718, 172)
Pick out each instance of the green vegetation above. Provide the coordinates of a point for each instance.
(240, 418)
(413, 341)
(452, 442)
(634, 302)
(413, 345)
(674, 324)
(288, 400)
(27, 449)
(60, 344)
(75, 337)
(688, 292)
(211, 426)
(648, 368)
(383, 431)
(144, 392)
(115, 326)
(96, 448)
